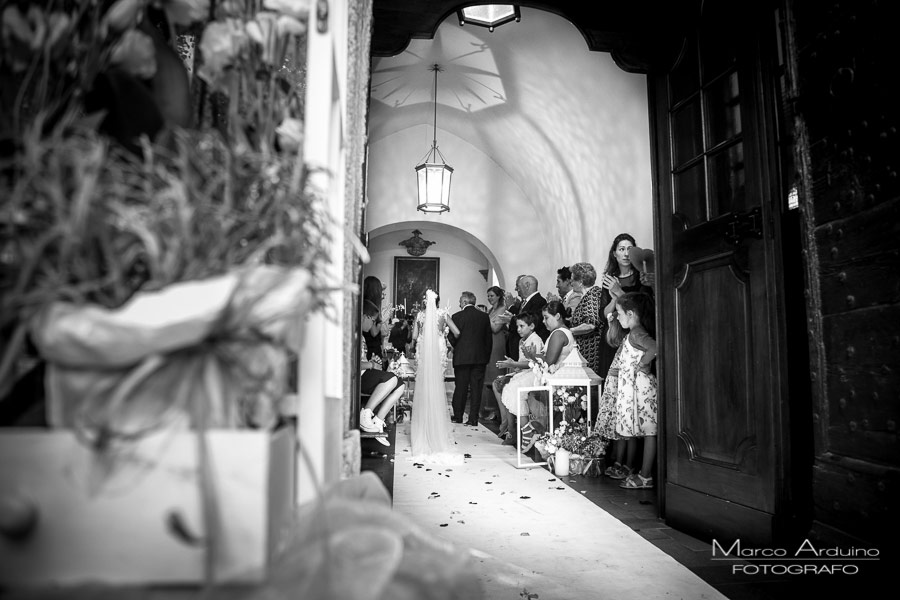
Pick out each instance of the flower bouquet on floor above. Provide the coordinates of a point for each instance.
(585, 450)
(567, 437)
(593, 451)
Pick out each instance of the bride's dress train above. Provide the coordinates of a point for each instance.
(431, 436)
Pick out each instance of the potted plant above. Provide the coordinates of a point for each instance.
(156, 268)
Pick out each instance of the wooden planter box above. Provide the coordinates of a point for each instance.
(143, 523)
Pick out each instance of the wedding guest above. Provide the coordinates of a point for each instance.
(620, 277)
(558, 345)
(636, 396)
(382, 387)
(471, 351)
(565, 291)
(374, 292)
(530, 344)
(588, 321)
(622, 466)
(532, 301)
(513, 304)
(496, 298)
(401, 334)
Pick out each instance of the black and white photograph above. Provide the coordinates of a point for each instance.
(386, 299)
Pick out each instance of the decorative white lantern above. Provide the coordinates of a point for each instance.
(571, 386)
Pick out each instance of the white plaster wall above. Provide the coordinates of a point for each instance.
(484, 202)
(547, 173)
(460, 265)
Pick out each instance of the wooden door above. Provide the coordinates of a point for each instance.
(720, 300)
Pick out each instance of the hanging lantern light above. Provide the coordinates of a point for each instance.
(433, 173)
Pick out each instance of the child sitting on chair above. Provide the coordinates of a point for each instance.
(525, 324)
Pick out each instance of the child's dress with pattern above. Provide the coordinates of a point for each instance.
(606, 413)
(636, 397)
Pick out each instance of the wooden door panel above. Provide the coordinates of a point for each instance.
(719, 350)
(717, 421)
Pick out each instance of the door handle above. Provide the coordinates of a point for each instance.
(744, 225)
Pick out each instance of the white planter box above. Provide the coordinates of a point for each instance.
(124, 530)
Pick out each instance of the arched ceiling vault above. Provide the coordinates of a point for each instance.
(562, 127)
(641, 35)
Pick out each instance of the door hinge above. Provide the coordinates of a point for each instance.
(744, 225)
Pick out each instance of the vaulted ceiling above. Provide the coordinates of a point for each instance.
(550, 114)
(640, 34)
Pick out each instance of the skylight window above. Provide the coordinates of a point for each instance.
(489, 15)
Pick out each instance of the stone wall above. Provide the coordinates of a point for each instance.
(358, 59)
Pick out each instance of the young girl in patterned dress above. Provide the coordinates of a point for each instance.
(636, 396)
(606, 416)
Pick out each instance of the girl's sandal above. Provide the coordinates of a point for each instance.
(529, 437)
(636, 482)
(618, 471)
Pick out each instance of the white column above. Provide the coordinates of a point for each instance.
(321, 358)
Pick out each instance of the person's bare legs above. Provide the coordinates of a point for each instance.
(512, 429)
(504, 412)
(385, 407)
(619, 468)
(380, 392)
(632, 447)
(619, 450)
(649, 456)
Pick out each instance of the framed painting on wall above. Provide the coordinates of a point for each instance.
(412, 276)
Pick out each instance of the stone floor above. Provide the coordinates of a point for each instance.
(638, 510)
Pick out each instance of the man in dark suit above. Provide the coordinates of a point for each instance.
(471, 353)
(530, 301)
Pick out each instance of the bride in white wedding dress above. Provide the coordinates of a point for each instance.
(431, 436)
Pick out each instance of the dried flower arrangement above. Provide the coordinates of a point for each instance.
(112, 201)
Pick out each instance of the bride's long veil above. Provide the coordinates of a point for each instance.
(430, 424)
